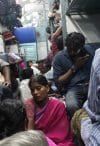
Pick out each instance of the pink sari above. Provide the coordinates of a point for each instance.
(52, 120)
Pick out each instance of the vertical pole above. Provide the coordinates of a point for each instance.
(64, 6)
(45, 18)
(36, 46)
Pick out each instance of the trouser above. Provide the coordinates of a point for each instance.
(75, 97)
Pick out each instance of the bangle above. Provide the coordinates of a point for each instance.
(73, 69)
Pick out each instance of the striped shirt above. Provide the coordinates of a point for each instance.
(90, 128)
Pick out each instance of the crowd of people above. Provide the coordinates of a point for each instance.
(54, 102)
(29, 103)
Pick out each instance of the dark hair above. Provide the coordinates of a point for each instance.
(13, 116)
(5, 92)
(39, 79)
(75, 40)
(29, 61)
(27, 73)
(59, 42)
(48, 29)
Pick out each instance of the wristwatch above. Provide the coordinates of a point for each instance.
(73, 69)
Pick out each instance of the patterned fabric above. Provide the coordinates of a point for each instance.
(76, 120)
(86, 130)
(90, 131)
(92, 106)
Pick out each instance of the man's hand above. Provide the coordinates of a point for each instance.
(80, 62)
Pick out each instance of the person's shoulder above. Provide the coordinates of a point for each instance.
(56, 101)
(59, 55)
(90, 49)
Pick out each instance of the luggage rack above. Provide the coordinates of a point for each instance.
(83, 6)
(85, 16)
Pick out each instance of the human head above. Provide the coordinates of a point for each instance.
(74, 42)
(25, 138)
(41, 65)
(27, 73)
(5, 92)
(59, 42)
(48, 30)
(13, 117)
(29, 63)
(39, 88)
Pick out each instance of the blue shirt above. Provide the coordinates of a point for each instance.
(62, 63)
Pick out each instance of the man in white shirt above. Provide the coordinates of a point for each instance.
(35, 70)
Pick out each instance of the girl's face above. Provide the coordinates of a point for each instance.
(39, 92)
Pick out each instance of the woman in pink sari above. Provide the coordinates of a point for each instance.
(47, 114)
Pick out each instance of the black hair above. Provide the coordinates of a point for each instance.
(13, 117)
(29, 61)
(5, 92)
(59, 43)
(39, 79)
(27, 73)
(75, 40)
(48, 29)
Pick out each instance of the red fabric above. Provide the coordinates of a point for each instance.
(54, 50)
(29, 106)
(54, 122)
(54, 46)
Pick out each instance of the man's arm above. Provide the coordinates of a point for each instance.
(71, 71)
(57, 32)
(67, 76)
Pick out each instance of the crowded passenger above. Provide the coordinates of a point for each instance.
(5, 70)
(47, 113)
(55, 47)
(5, 92)
(31, 65)
(26, 74)
(12, 117)
(27, 138)
(86, 121)
(71, 68)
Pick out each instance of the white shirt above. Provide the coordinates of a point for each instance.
(35, 70)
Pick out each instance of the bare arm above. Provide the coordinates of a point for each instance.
(6, 73)
(78, 64)
(57, 33)
(66, 77)
(5, 70)
(30, 124)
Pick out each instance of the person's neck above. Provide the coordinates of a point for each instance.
(41, 104)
